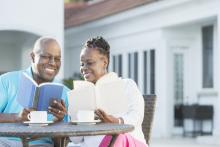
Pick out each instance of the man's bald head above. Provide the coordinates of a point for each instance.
(42, 43)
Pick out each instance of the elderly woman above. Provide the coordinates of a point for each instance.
(94, 61)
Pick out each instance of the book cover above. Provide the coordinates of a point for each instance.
(108, 96)
(32, 95)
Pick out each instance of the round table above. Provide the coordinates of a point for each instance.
(62, 130)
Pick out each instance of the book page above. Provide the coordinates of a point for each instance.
(81, 97)
(79, 84)
(110, 96)
(50, 83)
(26, 91)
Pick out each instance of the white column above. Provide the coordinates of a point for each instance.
(162, 125)
(217, 78)
(140, 71)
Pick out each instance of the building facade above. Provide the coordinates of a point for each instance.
(168, 47)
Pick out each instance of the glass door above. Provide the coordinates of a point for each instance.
(178, 78)
(180, 72)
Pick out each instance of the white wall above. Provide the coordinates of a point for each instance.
(217, 77)
(40, 17)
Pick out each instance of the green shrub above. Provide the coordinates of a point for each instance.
(69, 81)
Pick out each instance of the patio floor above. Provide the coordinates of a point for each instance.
(173, 142)
(178, 142)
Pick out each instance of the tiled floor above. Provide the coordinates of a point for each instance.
(174, 142)
(178, 142)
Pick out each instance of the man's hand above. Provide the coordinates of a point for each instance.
(58, 109)
(23, 114)
(104, 117)
(15, 117)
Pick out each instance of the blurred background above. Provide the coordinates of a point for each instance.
(169, 47)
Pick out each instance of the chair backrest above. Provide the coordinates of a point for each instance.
(149, 107)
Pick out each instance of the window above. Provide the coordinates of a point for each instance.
(129, 65)
(117, 64)
(120, 65)
(149, 71)
(152, 71)
(145, 72)
(114, 63)
(136, 67)
(178, 78)
(207, 58)
(133, 66)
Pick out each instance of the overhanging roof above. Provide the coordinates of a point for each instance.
(81, 13)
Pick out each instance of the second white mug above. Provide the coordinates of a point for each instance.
(85, 115)
(37, 116)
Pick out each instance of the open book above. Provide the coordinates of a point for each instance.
(108, 96)
(32, 95)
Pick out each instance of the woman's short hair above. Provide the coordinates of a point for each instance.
(100, 43)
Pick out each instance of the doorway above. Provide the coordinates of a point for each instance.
(180, 91)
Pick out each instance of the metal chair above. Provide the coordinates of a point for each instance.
(149, 108)
(198, 114)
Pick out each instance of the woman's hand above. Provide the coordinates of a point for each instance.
(58, 109)
(104, 117)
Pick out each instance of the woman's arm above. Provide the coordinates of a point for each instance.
(135, 113)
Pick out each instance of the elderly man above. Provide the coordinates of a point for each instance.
(45, 64)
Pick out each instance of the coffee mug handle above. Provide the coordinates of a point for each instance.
(29, 116)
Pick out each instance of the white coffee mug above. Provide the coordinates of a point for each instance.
(37, 116)
(85, 115)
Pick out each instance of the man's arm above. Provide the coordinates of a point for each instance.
(9, 118)
(15, 117)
